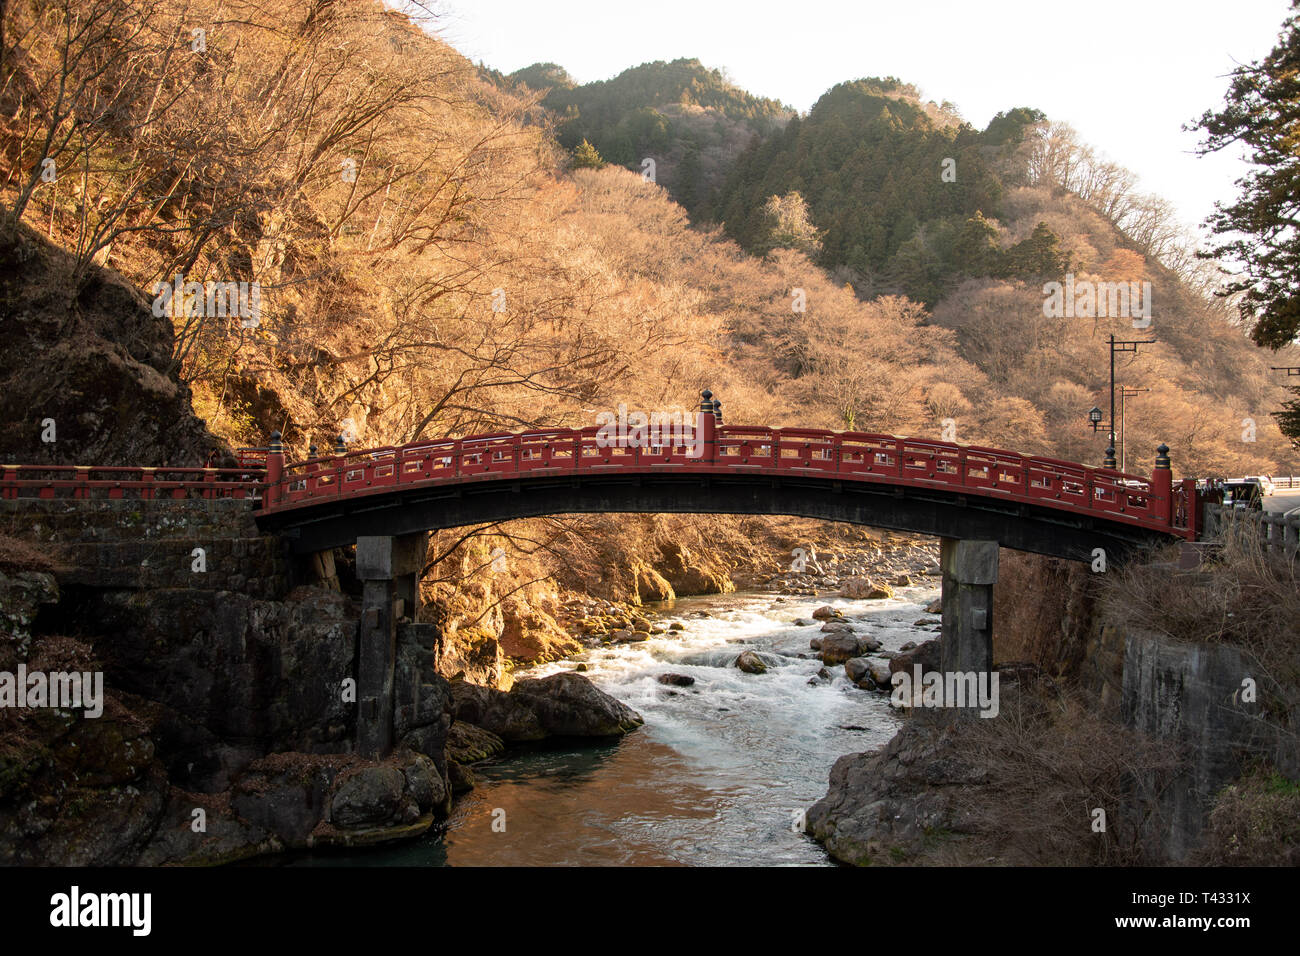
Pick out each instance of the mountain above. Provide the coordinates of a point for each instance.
(689, 119)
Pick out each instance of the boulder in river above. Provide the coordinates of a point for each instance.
(676, 680)
(857, 668)
(935, 606)
(676, 626)
(865, 588)
(751, 663)
(879, 673)
(800, 622)
(837, 625)
(569, 705)
(825, 612)
(815, 643)
(925, 654)
(561, 705)
(838, 647)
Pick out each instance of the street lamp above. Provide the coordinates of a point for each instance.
(1094, 416)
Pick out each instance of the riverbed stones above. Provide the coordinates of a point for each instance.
(751, 663)
(837, 624)
(935, 606)
(815, 643)
(826, 612)
(676, 626)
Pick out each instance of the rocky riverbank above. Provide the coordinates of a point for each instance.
(227, 729)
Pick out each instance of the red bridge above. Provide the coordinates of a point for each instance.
(385, 500)
(1029, 503)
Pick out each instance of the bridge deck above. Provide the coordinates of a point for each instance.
(737, 450)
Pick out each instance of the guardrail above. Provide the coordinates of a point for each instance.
(1278, 534)
(1288, 483)
(741, 449)
(116, 481)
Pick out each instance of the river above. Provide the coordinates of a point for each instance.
(719, 772)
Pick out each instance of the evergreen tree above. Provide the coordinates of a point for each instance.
(1262, 111)
(1288, 419)
(1038, 257)
(585, 156)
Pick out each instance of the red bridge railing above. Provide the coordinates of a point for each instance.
(116, 481)
(708, 448)
(1154, 502)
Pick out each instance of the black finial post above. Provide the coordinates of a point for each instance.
(340, 446)
(1162, 456)
(277, 443)
(706, 403)
(311, 450)
(717, 411)
(1110, 458)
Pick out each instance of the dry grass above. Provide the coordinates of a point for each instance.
(1049, 762)
(1246, 598)
(1255, 822)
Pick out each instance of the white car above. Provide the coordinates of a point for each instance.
(1264, 481)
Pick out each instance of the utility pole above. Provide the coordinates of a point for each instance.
(1124, 392)
(1128, 345)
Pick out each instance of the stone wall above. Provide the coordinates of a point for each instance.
(1194, 696)
(225, 695)
(131, 544)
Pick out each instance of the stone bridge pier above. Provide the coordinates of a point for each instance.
(970, 569)
(389, 568)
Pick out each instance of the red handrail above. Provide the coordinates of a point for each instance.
(119, 481)
(744, 449)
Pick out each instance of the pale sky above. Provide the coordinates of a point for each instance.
(1127, 74)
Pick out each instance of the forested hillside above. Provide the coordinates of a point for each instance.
(429, 264)
(687, 118)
